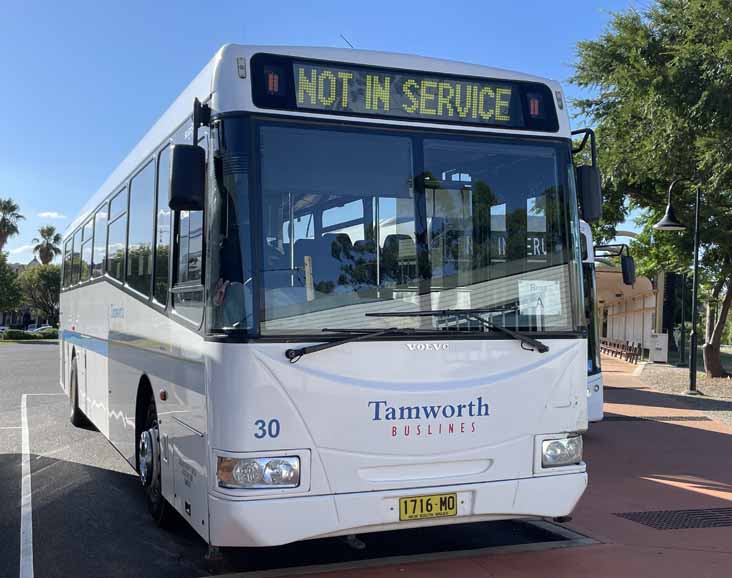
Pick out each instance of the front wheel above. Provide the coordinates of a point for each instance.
(149, 460)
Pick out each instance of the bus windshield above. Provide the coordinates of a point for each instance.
(352, 220)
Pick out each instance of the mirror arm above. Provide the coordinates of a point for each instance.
(589, 134)
(201, 117)
(617, 247)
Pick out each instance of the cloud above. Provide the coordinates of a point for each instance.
(51, 215)
(21, 249)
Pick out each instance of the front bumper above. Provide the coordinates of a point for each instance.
(270, 522)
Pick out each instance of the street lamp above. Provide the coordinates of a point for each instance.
(669, 222)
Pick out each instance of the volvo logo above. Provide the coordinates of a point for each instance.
(427, 346)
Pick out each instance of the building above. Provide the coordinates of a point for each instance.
(627, 313)
(635, 314)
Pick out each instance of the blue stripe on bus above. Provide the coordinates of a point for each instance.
(95, 344)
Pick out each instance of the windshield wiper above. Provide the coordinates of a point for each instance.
(470, 314)
(294, 355)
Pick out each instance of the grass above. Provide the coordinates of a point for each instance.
(3, 341)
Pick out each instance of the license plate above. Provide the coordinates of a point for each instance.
(434, 506)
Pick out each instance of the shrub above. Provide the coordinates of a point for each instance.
(17, 334)
(51, 333)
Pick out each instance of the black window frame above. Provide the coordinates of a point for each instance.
(418, 135)
(85, 242)
(96, 273)
(76, 268)
(151, 161)
(165, 149)
(111, 221)
(181, 134)
(67, 261)
(262, 62)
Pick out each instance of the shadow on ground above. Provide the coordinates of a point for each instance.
(89, 521)
(416, 541)
(647, 396)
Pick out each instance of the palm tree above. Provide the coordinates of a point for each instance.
(9, 219)
(48, 246)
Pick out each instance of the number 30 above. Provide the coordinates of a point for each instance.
(264, 429)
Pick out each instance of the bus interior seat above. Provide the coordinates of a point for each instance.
(398, 262)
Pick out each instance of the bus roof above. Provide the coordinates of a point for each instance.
(223, 85)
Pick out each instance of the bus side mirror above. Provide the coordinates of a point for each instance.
(590, 192)
(187, 177)
(627, 265)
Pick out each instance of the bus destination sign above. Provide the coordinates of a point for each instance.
(336, 88)
(367, 92)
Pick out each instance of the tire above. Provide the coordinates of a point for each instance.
(76, 416)
(148, 447)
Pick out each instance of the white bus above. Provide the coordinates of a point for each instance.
(338, 291)
(595, 391)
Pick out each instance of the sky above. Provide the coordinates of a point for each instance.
(84, 80)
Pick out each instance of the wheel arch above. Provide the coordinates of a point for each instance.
(143, 399)
(68, 371)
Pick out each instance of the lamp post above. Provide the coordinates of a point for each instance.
(683, 319)
(669, 222)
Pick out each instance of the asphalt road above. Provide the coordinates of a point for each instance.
(89, 517)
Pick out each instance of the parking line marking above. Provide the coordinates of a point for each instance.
(26, 503)
(26, 506)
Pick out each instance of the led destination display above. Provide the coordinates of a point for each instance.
(337, 88)
(373, 92)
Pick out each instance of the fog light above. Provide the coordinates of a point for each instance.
(258, 473)
(561, 452)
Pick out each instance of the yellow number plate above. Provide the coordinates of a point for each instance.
(434, 506)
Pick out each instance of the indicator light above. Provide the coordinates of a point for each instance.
(534, 106)
(273, 83)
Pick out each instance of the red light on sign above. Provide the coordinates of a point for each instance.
(273, 83)
(534, 106)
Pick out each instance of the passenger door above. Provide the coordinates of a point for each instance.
(184, 416)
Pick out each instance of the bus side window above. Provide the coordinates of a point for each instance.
(86, 249)
(117, 235)
(188, 283)
(140, 235)
(67, 262)
(76, 259)
(162, 229)
(100, 241)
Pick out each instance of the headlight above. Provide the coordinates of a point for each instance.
(561, 452)
(258, 473)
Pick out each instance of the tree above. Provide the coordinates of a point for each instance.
(41, 287)
(10, 295)
(48, 246)
(662, 104)
(9, 220)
